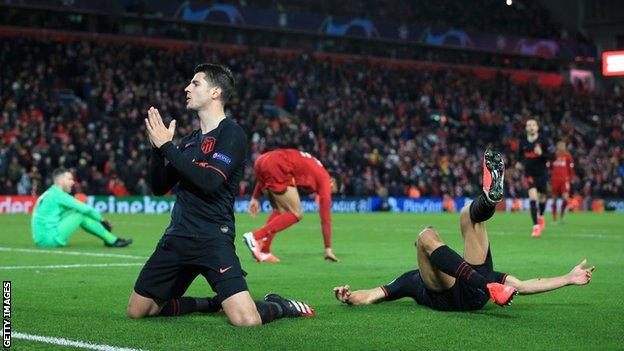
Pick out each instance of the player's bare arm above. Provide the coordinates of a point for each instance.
(344, 294)
(253, 207)
(579, 275)
(329, 255)
(325, 204)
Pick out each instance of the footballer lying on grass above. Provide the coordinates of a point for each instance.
(445, 281)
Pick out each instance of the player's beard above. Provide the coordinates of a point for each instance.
(191, 107)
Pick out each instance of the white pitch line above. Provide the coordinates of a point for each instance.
(75, 253)
(57, 266)
(71, 343)
(562, 236)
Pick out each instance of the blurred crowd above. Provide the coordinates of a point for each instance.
(383, 130)
(229, 35)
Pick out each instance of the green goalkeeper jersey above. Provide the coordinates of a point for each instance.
(50, 208)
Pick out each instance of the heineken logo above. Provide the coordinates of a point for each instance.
(131, 204)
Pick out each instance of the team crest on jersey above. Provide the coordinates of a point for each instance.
(208, 145)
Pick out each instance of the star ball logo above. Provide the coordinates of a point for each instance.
(6, 314)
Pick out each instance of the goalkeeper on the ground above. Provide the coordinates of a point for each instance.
(57, 216)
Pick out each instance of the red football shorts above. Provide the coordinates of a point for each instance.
(274, 173)
(559, 187)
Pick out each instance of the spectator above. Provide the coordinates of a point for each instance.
(396, 130)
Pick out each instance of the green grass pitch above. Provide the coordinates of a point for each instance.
(88, 304)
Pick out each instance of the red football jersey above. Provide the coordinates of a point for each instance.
(290, 167)
(562, 167)
(308, 172)
(278, 169)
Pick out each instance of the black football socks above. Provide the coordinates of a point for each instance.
(534, 211)
(542, 207)
(481, 209)
(186, 305)
(269, 311)
(449, 262)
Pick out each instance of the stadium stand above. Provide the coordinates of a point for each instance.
(81, 104)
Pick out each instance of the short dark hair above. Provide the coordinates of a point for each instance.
(59, 172)
(220, 76)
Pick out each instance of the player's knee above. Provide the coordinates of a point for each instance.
(533, 194)
(465, 211)
(464, 215)
(427, 238)
(244, 320)
(297, 212)
(134, 312)
(137, 310)
(86, 220)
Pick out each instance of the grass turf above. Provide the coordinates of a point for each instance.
(88, 304)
